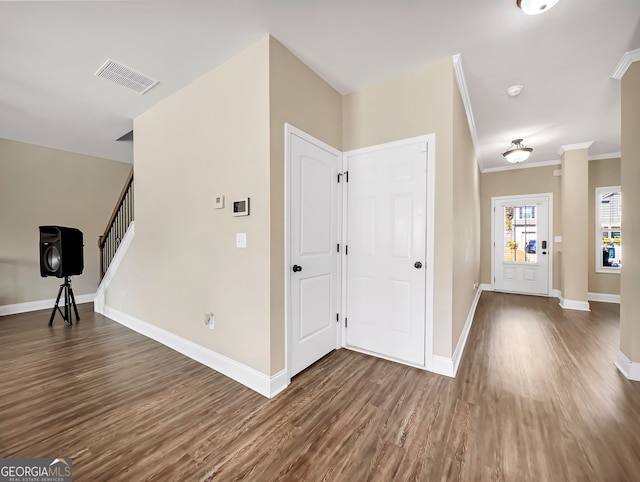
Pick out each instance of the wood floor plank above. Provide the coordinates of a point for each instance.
(536, 398)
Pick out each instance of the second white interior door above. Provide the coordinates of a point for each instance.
(386, 229)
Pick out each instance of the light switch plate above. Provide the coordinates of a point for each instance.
(558, 239)
(219, 202)
(241, 240)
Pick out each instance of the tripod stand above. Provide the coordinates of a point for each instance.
(69, 300)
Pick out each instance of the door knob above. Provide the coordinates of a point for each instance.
(296, 268)
(417, 265)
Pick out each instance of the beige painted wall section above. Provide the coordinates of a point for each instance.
(301, 98)
(409, 105)
(516, 182)
(414, 104)
(602, 173)
(43, 186)
(630, 182)
(210, 138)
(466, 219)
(575, 221)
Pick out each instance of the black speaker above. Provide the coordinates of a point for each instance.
(60, 251)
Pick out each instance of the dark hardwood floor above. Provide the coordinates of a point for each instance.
(537, 398)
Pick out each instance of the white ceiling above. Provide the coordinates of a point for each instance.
(564, 58)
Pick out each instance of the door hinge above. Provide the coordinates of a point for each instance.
(339, 176)
(345, 322)
(338, 246)
(337, 317)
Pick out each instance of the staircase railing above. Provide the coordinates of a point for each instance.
(117, 226)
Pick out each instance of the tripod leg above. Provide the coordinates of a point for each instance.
(67, 310)
(55, 307)
(73, 301)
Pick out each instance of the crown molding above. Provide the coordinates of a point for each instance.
(627, 59)
(466, 101)
(608, 155)
(522, 165)
(553, 162)
(574, 147)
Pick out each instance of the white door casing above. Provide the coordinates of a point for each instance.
(313, 235)
(522, 244)
(386, 263)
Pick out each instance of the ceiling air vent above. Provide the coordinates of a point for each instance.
(123, 75)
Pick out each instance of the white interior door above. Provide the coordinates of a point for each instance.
(313, 259)
(386, 228)
(522, 244)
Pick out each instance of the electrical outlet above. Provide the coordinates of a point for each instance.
(209, 320)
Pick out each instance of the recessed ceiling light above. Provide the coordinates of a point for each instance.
(535, 7)
(514, 90)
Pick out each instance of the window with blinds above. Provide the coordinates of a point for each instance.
(608, 229)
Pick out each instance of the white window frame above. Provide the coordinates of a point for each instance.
(598, 239)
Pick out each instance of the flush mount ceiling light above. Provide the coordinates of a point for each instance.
(514, 90)
(517, 152)
(534, 7)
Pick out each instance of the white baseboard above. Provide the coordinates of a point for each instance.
(629, 369)
(442, 366)
(574, 305)
(384, 357)
(604, 297)
(268, 386)
(449, 366)
(127, 239)
(552, 294)
(41, 305)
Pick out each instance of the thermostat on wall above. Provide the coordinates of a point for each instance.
(241, 207)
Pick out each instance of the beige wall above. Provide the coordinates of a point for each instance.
(574, 282)
(466, 218)
(301, 98)
(223, 134)
(516, 182)
(43, 186)
(210, 138)
(410, 105)
(630, 182)
(422, 102)
(602, 173)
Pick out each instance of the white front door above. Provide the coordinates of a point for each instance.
(313, 259)
(386, 229)
(522, 244)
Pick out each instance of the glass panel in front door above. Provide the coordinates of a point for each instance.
(520, 234)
